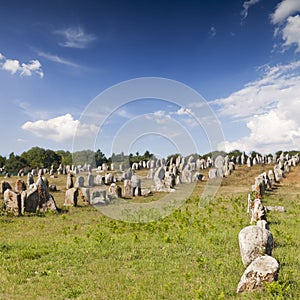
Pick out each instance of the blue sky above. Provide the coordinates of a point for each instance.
(242, 57)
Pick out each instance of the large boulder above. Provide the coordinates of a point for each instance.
(37, 197)
(262, 269)
(254, 242)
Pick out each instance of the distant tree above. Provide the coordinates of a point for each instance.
(2, 161)
(147, 155)
(15, 163)
(214, 154)
(84, 157)
(254, 153)
(38, 157)
(235, 153)
(66, 157)
(100, 158)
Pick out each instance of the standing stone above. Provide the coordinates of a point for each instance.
(212, 173)
(90, 179)
(115, 191)
(255, 241)
(159, 176)
(150, 174)
(20, 186)
(86, 194)
(70, 183)
(13, 202)
(127, 188)
(186, 176)
(29, 179)
(71, 197)
(79, 181)
(263, 269)
(136, 185)
(109, 178)
(99, 180)
(249, 161)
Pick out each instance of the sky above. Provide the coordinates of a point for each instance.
(164, 76)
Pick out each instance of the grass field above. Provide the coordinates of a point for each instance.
(191, 254)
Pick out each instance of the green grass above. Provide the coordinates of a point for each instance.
(191, 254)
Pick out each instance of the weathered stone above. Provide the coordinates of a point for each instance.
(275, 208)
(212, 173)
(90, 179)
(30, 179)
(255, 241)
(71, 197)
(5, 186)
(86, 194)
(32, 198)
(114, 191)
(13, 202)
(258, 211)
(127, 188)
(186, 176)
(69, 183)
(99, 198)
(99, 180)
(109, 178)
(263, 269)
(79, 181)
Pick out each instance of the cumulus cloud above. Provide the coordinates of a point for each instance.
(285, 9)
(60, 128)
(291, 32)
(75, 37)
(24, 69)
(287, 23)
(11, 65)
(183, 111)
(270, 108)
(246, 7)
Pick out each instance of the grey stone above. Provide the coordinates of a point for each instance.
(71, 197)
(263, 269)
(255, 241)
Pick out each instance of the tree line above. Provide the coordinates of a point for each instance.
(37, 158)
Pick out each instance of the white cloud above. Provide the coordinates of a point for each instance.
(75, 38)
(57, 59)
(60, 128)
(11, 65)
(183, 111)
(291, 32)
(246, 6)
(14, 66)
(270, 108)
(285, 9)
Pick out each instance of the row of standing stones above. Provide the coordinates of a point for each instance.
(256, 242)
(165, 175)
(101, 184)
